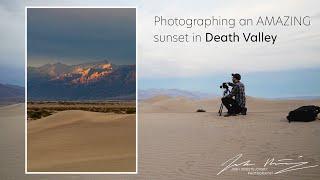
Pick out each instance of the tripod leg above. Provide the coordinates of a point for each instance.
(220, 110)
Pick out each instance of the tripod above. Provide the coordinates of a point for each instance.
(225, 92)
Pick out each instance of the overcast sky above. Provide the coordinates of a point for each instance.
(296, 50)
(295, 47)
(11, 34)
(77, 35)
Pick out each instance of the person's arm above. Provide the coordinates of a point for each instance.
(231, 84)
(234, 91)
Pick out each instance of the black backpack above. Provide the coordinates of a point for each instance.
(304, 114)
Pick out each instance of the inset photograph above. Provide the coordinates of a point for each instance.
(81, 90)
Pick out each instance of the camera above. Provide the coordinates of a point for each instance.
(224, 86)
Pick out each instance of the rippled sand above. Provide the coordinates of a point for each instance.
(82, 141)
(175, 142)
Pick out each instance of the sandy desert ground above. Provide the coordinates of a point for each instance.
(81, 141)
(175, 142)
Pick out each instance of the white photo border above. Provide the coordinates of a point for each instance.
(26, 89)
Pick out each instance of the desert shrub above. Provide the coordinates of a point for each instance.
(37, 114)
(117, 111)
(131, 111)
(45, 113)
(34, 114)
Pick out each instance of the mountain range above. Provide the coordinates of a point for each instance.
(10, 94)
(89, 81)
(196, 95)
(149, 93)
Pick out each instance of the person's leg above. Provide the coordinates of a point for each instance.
(226, 103)
(244, 111)
(229, 104)
(237, 108)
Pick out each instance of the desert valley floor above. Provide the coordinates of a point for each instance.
(175, 142)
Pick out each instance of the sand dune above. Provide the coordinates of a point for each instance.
(200, 142)
(82, 141)
(165, 104)
(189, 145)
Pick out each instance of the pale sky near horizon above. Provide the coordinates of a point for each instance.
(296, 50)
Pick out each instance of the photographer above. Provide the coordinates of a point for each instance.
(237, 104)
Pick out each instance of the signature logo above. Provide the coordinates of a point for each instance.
(235, 163)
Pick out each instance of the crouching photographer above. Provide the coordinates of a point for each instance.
(235, 101)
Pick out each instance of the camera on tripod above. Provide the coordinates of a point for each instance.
(225, 92)
(224, 86)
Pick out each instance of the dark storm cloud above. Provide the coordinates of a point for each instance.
(80, 35)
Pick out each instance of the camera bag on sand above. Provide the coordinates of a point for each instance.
(304, 114)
